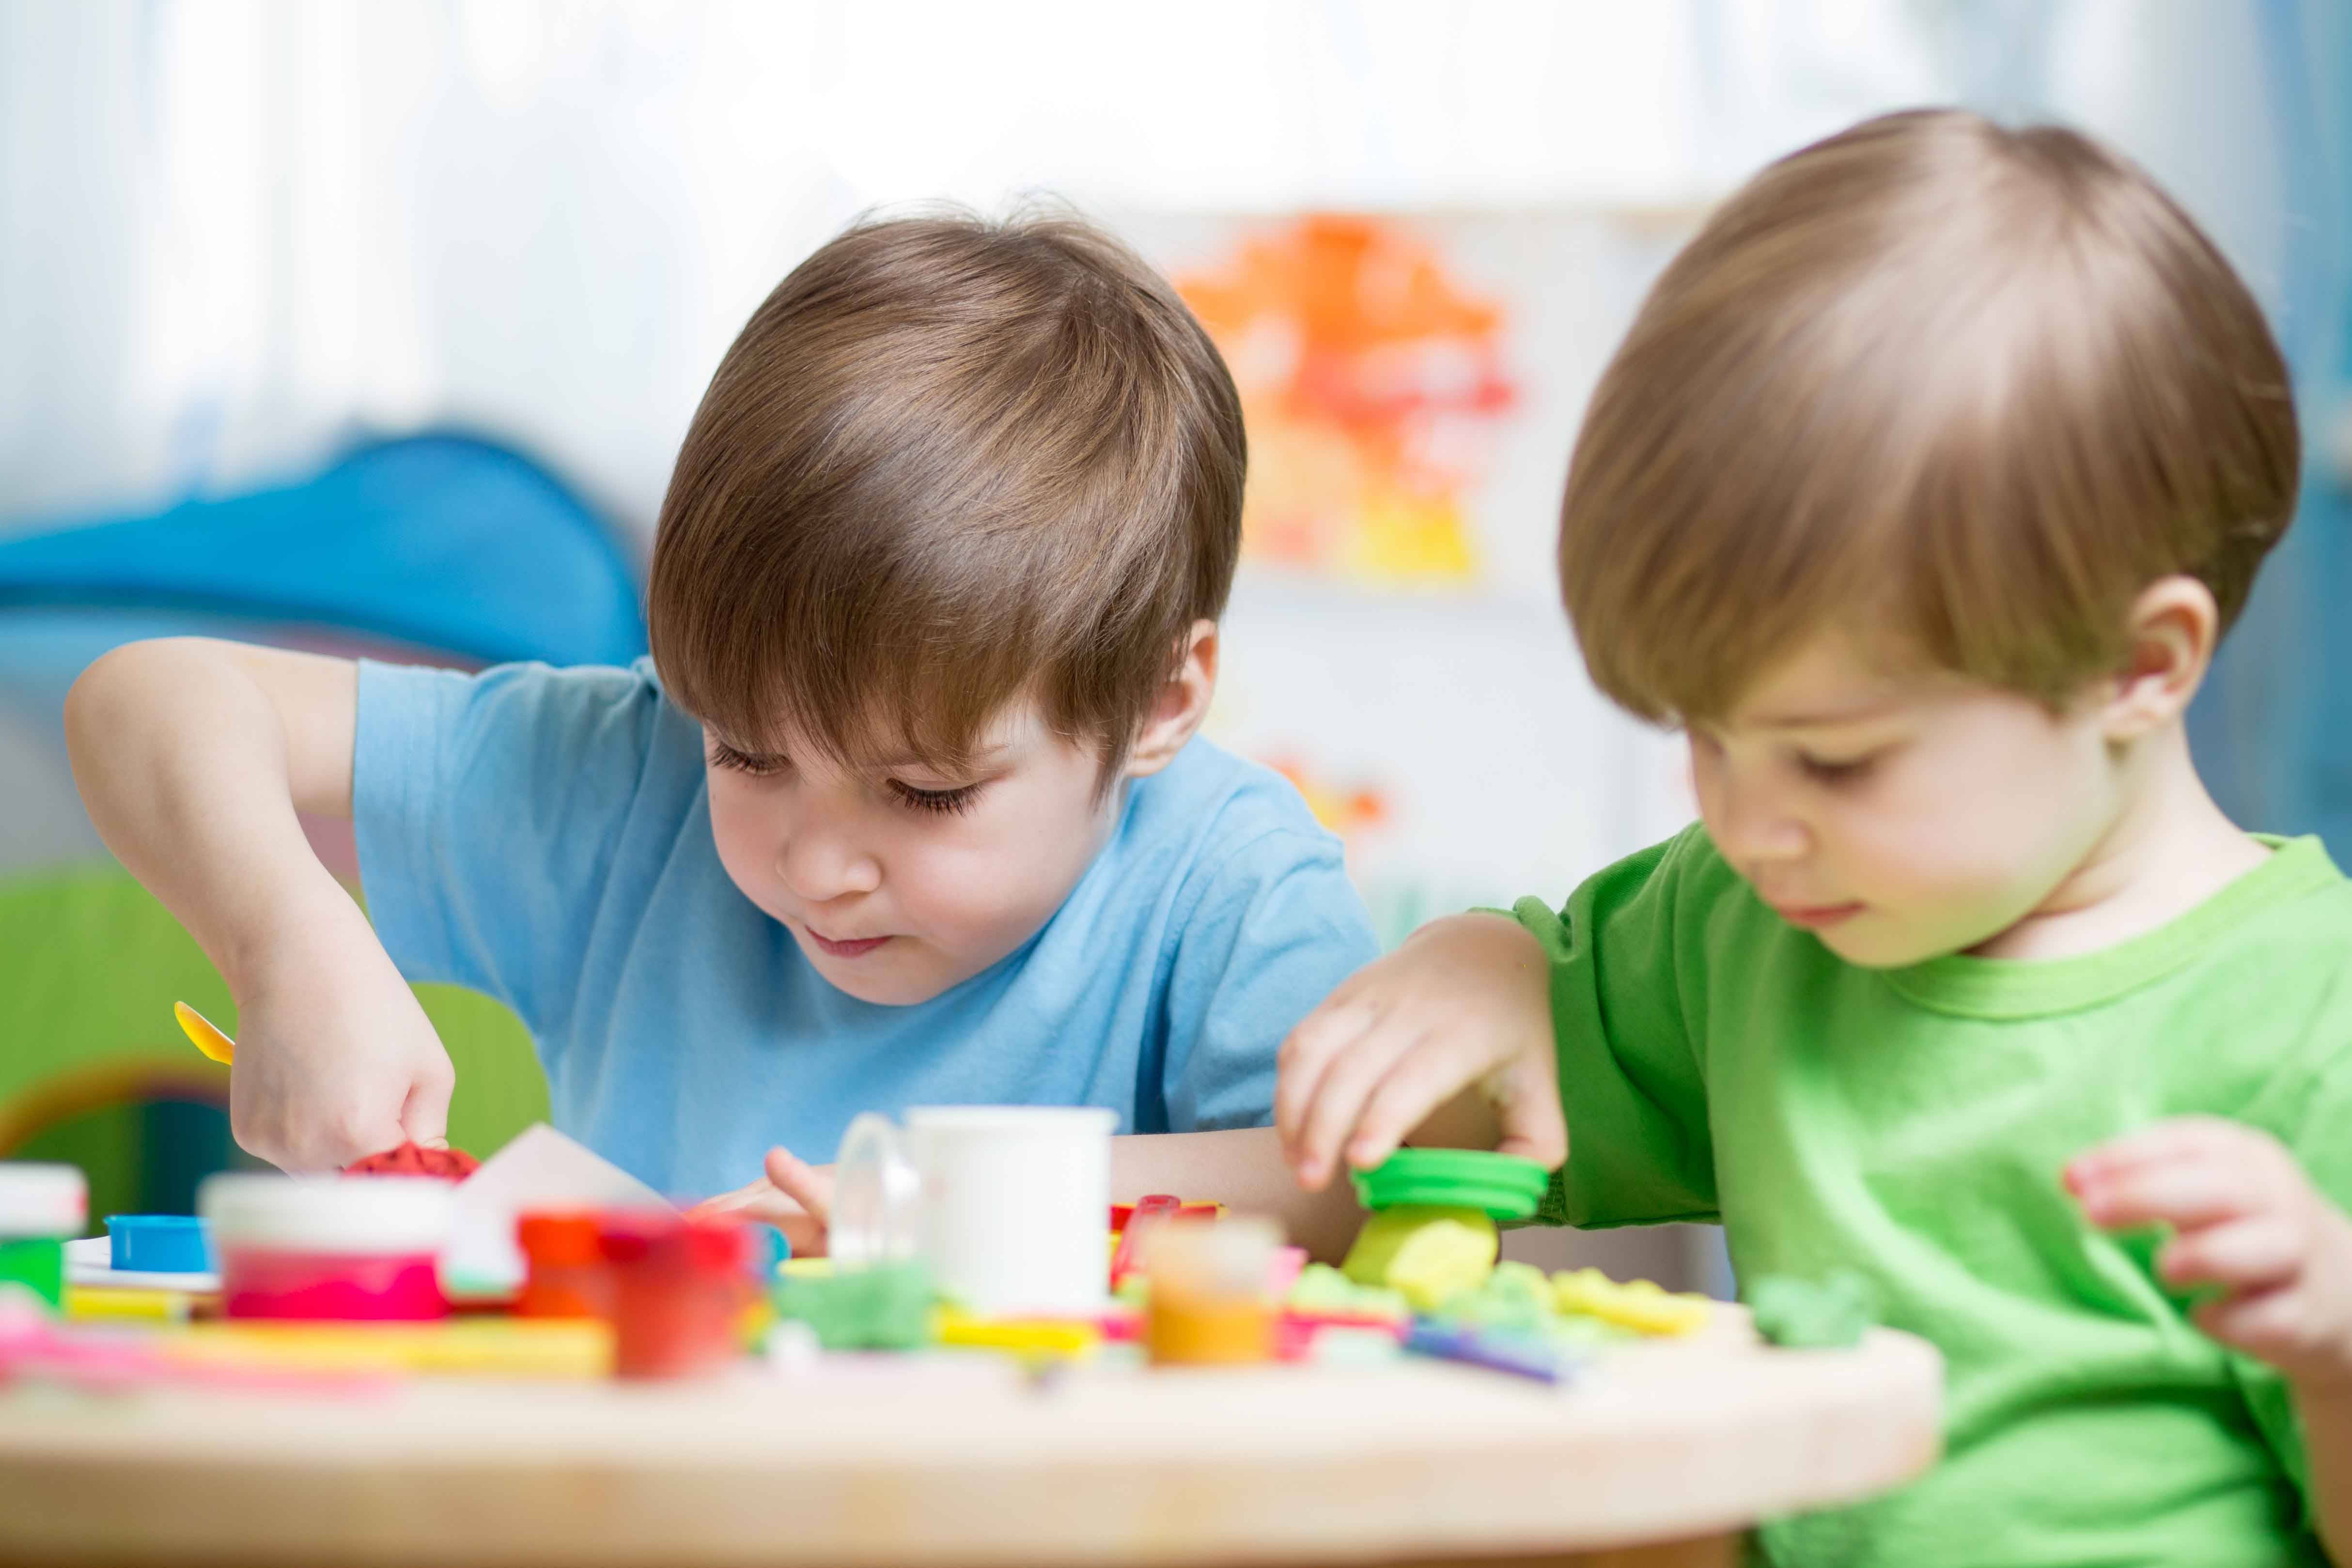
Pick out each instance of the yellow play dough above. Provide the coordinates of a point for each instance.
(1429, 1254)
(1642, 1305)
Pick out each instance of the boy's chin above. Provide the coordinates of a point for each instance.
(883, 977)
(1870, 941)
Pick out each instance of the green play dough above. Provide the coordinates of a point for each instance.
(1516, 1297)
(888, 1308)
(1803, 1314)
(1430, 1254)
(38, 1264)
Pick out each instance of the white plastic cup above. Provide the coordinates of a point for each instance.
(1015, 1205)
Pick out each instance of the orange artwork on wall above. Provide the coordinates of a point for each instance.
(1348, 812)
(1373, 382)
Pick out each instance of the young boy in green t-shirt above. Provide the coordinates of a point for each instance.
(1919, 493)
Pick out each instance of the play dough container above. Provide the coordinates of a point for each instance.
(568, 1276)
(1209, 1304)
(1504, 1187)
(679, 1290)
(40, 1207)
(337, 1247)
(158, 1244)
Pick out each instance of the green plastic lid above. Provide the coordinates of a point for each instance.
(1505, 1186)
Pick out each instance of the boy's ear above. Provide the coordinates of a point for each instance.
(2175, 626)
(1183, 704)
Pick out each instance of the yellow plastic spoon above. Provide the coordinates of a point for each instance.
(207, 1039)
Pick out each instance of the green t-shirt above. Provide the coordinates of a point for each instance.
(1910, 1124)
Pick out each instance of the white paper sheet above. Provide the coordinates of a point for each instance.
(541, 1169)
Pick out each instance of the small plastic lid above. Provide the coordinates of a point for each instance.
(343, 1216)
(39, 1200)
(1505, 1186)
(561, 1239)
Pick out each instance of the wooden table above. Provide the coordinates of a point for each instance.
(1658, 1456)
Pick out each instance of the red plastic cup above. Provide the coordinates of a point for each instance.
(679, 1288)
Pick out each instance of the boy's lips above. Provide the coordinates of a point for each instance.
(854, 948)
(1815, 916)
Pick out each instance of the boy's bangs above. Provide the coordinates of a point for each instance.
(785, 678)
(1691, 564)
(1935, 520)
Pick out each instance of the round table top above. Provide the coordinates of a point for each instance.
(965, 1460)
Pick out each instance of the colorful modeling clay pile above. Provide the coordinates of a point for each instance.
(342, 1281)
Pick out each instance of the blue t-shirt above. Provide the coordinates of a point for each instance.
(545, 836)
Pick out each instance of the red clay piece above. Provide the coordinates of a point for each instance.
(414, 1159)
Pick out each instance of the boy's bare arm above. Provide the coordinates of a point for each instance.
(1243, 1170)
(192, 757)
(1247, 1171)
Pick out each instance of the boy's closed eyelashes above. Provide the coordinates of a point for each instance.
(947, 799)
(1832, 765)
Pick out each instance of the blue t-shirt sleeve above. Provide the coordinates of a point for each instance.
(1277, 925)
(487, 811)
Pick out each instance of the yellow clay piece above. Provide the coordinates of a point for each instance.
(1642, 1305)
(1428, 1253)
(489, 1348)
(116, 1303)
(1028, 1337)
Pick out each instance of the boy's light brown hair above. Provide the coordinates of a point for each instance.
(1976, 386)
(949, 463)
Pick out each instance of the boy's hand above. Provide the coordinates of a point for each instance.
(1467, 1000)
(794, 1196)
(2248, 1220)
(335, 1059)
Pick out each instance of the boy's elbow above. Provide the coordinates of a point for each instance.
(107, 692)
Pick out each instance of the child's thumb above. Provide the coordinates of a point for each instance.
(425, 1119)
(1534, 1129)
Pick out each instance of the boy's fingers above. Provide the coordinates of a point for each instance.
(1339, 1098)
(2265, 1323)
(2187, 1196)
(358, 1134)
(1307, 1052)
(2181, 1138)
(425, 1119)
(728, 1202)
(1420, 1081)
(797, 1180)
(2249, 1255)
(1534, 1129)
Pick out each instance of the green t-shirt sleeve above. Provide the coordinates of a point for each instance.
(1631, 1079)
(2308, 1109)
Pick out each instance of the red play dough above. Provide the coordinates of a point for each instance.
(414, 1159)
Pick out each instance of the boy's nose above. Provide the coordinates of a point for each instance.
(818, 867)
(1750, 826)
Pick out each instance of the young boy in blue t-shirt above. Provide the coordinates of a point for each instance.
(1920, 492)
(907, 807)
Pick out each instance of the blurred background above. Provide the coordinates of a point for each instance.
(375, 325)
